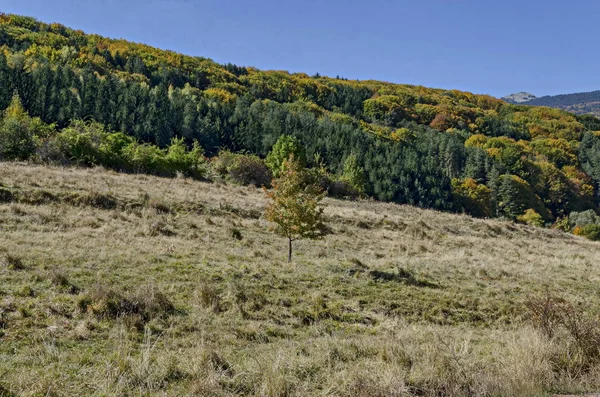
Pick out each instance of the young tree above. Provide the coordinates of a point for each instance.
(294, 206)
(285, 147)
(18, 131)
(354, 173)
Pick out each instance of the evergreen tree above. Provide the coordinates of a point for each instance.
(6, 86)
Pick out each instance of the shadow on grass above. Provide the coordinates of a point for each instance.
(402, 276)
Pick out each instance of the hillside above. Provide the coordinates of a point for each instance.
(578, 103)
(118, 284)
(447, 150)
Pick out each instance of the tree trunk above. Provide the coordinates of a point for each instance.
(289, 250)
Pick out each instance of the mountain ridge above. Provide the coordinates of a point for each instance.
(579, 103)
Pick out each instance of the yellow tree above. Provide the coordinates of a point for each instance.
(294, 206)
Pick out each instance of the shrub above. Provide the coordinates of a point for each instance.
(13, 262)
(552, 315)
(148, 302)
(591, 232)
(584, 218)
(532, 218)
(354, 174)
(339, 187)
(472, 198)
(562, 224)
(145, 158)
(190, 162)
(80, 142)
(18, 132)
(235, 233)
(210, 297)
(285, 147)
(222, 162)
(61, 280)
(342, 188)
(244, 169)
(249, 170)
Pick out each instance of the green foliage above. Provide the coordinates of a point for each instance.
(354, 174)
(189, 162)
(285, 147)
(89, 144)
(532, 218)
(589, 155)
(515, 195)
(18, 132)
(584, 218)
(151, 107)
(591, 232)
(243, 169)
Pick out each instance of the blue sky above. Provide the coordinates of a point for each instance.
(492, 47)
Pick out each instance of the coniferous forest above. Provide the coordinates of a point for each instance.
(447, 150)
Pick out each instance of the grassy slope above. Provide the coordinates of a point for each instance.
(396, 301)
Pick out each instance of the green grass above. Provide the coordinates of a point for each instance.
(179, 288)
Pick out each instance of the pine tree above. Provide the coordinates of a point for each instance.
(6, 86)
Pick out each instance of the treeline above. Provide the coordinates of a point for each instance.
(578, 103)
(440, 149)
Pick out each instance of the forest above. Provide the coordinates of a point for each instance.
(454, 151)
(578, 103)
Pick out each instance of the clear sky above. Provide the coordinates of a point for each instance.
(483, 46)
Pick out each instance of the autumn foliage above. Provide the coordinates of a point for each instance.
(294, 206)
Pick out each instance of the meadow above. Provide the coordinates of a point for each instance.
(135, 285)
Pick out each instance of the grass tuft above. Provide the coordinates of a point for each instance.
(13, 262)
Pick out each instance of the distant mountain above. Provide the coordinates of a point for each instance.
(578, 103)
(519, 97)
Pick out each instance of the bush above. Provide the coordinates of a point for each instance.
(342, 188)
(338, 187)
(80, 142)
(189, 162)
(591, 232)
(249, 170)
(89, 144)
(562, 224)
(18, 132)
(145, 158)
(285, 147)
(584, 218)
(473, 198)
(556, 317)
(243, 169)
(148, 303)
(354, 174)
(13, 262)
(532, 218)
(222, 162)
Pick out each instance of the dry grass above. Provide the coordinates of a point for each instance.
(136, 285)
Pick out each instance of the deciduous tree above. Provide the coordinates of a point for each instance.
(294, 206)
